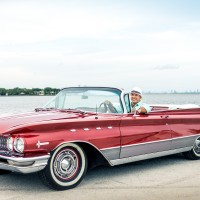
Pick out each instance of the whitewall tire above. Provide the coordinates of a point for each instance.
(66, 167)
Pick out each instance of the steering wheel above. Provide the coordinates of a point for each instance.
(104, 106)
(108, 107)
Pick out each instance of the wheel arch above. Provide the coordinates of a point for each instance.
(94, 155)
(194, 153)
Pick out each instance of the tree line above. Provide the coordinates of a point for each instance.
(25, 91)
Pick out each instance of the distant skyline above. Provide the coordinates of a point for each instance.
(152, 44)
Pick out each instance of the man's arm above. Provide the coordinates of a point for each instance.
(142, 110)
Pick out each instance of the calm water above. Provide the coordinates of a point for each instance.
(16, 104)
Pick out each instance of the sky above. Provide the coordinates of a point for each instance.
(151, 44)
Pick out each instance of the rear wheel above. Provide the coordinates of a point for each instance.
(194, 154)
(66, 167)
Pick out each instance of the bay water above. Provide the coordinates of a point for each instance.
(17, 104)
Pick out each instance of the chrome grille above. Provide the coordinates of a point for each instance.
(3, 143)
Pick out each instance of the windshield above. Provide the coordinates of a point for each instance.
(88, 99)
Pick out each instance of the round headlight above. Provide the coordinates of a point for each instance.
(19, 145)
(10, 143)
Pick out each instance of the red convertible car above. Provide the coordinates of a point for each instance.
(77, 130)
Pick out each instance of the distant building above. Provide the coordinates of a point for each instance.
(41, 93)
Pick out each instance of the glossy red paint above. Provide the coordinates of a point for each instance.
(143, 128)
(56, 127)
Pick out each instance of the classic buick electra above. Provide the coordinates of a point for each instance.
(77, 130)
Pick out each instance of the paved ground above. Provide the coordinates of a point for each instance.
(169, 178)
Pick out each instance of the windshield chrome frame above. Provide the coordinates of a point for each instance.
(121, 96)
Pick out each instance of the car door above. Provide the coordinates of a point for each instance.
(144, 134)
(185, 126)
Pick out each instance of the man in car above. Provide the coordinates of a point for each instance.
(137, 106)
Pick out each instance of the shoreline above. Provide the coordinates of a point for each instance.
(149, 93)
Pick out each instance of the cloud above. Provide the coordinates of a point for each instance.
(63, 43)
(29, 23)
(166, 67)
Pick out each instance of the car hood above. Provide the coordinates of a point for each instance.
(12, 121)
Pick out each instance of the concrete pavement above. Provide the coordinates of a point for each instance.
(171, 177)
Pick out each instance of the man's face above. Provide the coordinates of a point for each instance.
(135, 98)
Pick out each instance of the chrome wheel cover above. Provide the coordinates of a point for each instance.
(196, 147)
(66, 164)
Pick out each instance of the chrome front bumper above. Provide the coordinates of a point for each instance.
(23, 165)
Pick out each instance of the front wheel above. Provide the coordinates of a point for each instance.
(194, 154)
(66, 167)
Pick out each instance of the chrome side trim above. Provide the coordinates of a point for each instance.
(145, 148)
(148, 156)
(186, 136)
(171, 139)
(112, 154)
(143, 143)
(184, 141)
(109, 148)
(140, 151)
